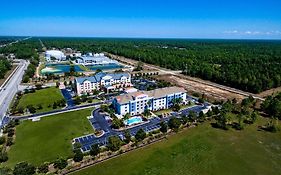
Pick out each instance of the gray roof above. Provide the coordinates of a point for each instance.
(98, 77)
(157, 93)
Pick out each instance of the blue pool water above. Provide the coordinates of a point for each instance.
(62, 68)
(105, 66)
(133, 120)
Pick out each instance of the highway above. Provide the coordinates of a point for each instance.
(8, 44)
(10, 88)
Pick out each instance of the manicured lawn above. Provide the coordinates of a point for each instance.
(202, 150)
(44, 97)
(49, 138)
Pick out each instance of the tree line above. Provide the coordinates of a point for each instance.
(248, 65)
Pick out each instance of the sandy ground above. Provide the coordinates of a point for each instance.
(273, 91)
(210, 91)
(192, 84)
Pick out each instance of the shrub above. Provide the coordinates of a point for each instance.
(10, 141)
(3, 156)
(44, 168)
(2, 140)
(60, 163)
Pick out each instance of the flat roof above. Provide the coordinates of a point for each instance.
(157, 93)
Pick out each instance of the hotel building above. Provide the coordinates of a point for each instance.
(108, 81)
(136, 102)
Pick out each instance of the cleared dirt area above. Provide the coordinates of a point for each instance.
(273, 91)
(209, 91)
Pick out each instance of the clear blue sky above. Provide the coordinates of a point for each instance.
(142, 18)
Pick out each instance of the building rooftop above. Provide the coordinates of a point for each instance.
(157, 93)
(101, 75)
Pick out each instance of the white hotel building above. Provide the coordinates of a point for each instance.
(108, 81)
(136, 103)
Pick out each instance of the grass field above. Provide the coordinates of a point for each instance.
(201, 151)
(49, 138)
(43, 97)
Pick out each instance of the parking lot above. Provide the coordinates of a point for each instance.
(99, 122)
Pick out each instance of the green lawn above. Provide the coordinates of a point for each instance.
(43, 97)
(49, 138)
(202, 151)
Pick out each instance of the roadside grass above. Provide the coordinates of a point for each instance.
(201, 150)
(44, 97)
(49, 138)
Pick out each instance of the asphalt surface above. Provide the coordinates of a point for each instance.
(99, 122)
(67, 96)
(10, 89)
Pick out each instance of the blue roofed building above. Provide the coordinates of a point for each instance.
(100, 81)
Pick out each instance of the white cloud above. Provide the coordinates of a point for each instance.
(249, 32)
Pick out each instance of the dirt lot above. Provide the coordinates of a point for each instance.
(273, 91)
(191, 86)
(212, 90)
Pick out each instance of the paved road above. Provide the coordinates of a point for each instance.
(10, 88)
(100, 123)
(67, 96)
(4, 45)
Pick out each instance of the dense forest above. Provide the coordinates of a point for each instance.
(28, 50)
(250, 65)
(5, 65)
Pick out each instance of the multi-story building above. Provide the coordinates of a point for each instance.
(54, 56)
(137, 102)
(107, 81)
(90, 59)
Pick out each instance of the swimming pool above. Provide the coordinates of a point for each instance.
(132, 121)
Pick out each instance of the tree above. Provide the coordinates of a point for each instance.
(31, 109)
(43, 168)
(140, 135)
(164, 127)
(114, 143)
(5, 171)
(176, 107)
(60, 163)
(78, 155)
(184, 119)
(192, 116)
(126, 116)
(24, 168)
(10, 141)
(146, 112)
(221, 121)
(201, 116)
(117, 123)
(3, 156)
(174, 123)
(57, 84)
(95, 150)
(128, 136)
(2, 140)
(39, 106)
